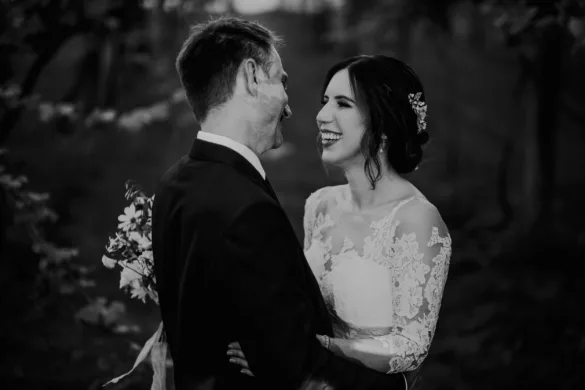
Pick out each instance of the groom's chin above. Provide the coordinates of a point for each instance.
(278, 139)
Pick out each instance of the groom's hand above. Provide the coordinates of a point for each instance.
(237, 357)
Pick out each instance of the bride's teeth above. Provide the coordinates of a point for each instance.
(330, 137)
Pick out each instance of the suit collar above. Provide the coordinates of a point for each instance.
(208, 151)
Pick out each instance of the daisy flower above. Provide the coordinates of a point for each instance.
(129, 218)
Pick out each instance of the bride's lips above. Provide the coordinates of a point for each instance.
(329, 137)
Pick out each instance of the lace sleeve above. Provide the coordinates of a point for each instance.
(420, 251)
(423, 245)
(310, 215)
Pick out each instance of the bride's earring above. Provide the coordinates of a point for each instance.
(383, 144)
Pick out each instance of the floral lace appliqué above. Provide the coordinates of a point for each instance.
(414, 259)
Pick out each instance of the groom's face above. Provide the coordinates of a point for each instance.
(273, 103)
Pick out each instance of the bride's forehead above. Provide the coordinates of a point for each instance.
(340, 83)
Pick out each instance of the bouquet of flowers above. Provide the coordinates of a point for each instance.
(131, 246)
(131, 249)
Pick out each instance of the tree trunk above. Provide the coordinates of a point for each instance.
(10, 119)
(541, 104)
(548, 88)
(530, 177)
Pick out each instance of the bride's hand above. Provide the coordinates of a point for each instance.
(237, 357)
(324, 340)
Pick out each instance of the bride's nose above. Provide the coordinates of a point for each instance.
(323, 116)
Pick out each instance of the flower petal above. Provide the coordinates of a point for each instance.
(108, 263)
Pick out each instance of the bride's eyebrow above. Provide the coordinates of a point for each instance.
(345, 98)
(340, 97)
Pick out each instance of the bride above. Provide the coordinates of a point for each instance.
(378, 248)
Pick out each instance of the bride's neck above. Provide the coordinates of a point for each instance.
(363, 197)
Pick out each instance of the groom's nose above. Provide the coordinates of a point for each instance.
(287, 111)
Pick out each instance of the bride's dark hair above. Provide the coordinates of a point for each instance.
(381, 85)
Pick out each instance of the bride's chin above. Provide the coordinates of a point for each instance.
(331, 158)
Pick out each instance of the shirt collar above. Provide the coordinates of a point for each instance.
(237, 147)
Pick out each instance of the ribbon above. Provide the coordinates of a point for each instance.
(157, 348)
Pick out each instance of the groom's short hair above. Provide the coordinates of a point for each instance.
(210, 57)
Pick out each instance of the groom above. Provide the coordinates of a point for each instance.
(227, 262)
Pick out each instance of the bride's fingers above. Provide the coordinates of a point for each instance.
(246, 372)
(235, 345)
(321, 339)
(240, 362)
(236, 353)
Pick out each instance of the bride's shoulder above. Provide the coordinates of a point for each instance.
(323, 196)
(419, 211)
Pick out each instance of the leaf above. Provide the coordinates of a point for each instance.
(38, 197)
(139, 292)
(159, 111)
(85, 283)
(126, 329)
(170, 5)
(576, 27)
(46, 112)
(108, 262)
(521, 23)
(90, 313)
(11, 182)
(142, 355)
(128, 276)
(65, 254)
(96, 312)
(179, 96)
(150, 4)
(113, 313)
(66, 289)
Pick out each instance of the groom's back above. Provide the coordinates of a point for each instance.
(194, 205)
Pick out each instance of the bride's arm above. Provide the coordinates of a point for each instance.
(309, 216)
(424, 246)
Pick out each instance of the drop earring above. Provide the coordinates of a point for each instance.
(383, 144)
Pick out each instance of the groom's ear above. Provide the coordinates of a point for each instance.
(250, 71)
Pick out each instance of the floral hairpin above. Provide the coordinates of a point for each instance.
(420, 108)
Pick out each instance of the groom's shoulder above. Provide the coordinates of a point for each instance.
(203, 173)
(208, 181)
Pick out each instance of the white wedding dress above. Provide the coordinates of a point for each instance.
(381, 273)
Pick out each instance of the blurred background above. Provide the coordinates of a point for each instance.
(89, 98)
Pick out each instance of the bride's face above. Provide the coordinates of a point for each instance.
(341, 123)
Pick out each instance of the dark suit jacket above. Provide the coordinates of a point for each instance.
(229, 268)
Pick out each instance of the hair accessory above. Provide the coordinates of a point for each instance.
(420, 108)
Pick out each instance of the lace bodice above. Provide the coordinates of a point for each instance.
(382, 273)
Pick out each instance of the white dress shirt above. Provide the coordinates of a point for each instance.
(237, 147)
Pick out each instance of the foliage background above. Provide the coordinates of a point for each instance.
(504, 166)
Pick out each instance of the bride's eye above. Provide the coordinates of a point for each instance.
(323, 101)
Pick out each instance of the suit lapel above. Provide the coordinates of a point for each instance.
(271, 190)
(207, 151)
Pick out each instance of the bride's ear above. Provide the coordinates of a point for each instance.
(249, 71)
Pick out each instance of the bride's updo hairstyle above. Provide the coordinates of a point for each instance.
(390, 95)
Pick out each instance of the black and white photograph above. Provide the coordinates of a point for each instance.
(292, 194)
